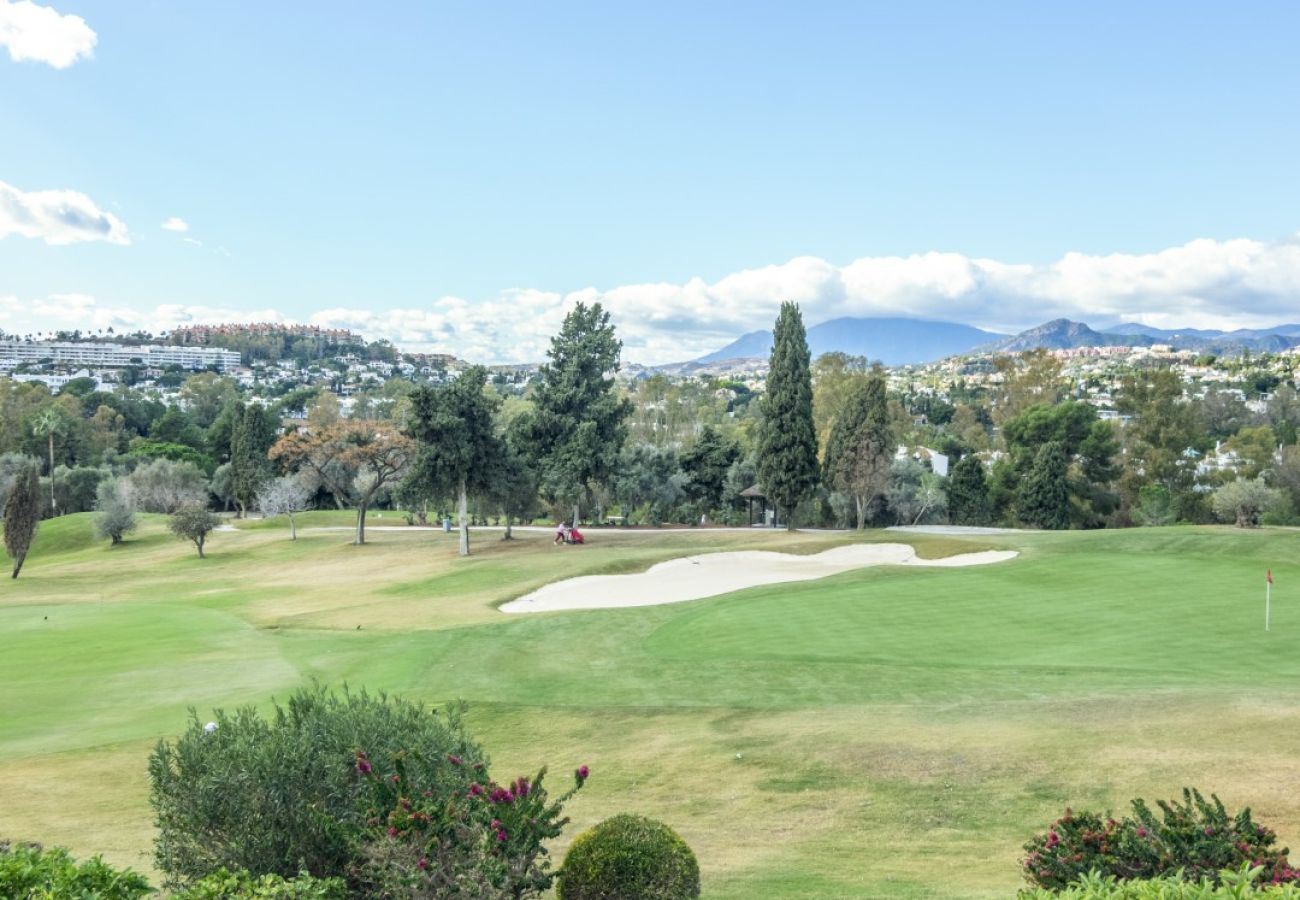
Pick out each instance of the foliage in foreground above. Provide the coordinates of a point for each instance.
(629, 856)
(1230, 885)
(1196, 838)
(27, 872)
(391, 796)
(225, 885)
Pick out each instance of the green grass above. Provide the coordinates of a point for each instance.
(892, 732)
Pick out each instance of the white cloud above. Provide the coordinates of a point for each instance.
(1201, 284)
(175, 223)
(57, 217)
(41, 34)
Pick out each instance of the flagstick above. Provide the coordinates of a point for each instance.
(1268, 602)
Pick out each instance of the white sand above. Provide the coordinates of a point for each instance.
(709, 575)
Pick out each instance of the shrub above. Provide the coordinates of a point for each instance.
(1232, 885)
(283, 796)
(1196, 838)
(629, 857)
(225, 885)
(486, 843)
(391, 796)
(29, 873)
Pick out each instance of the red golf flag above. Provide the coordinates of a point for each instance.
(1269, 576)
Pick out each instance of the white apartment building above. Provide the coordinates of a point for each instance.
(106, 355)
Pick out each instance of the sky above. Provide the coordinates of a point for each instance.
(454, 176)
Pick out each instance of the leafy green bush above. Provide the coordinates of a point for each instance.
(284, 796)
(627, 858)
(391, 797)
(225, 885)
(29, 873)
(1196, 838)
(1230, 885)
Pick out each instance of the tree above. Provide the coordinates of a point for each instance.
(1245, 501)
(861, 445)
(252, 436)
(834, 375)
(193, 523)
(285, 496)
(1044, 494)
(968, 493)
(48, 423)
(456, 438)
(787, 440)
(22, 514)
(706, 463)
(114, 509)
(513, 485)
(578, 424)
(915, 494)
(352, 459)
(164, 486)
(649, 477)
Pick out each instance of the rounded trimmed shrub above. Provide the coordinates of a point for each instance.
(629, 858)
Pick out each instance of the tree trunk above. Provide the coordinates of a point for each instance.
(861, 503)
(293, 528)
(361, 525)
(508, 535)
(463, 515)
(117, 539)
(198, 542)
(575, 514)
(18, 565)
(54, 504)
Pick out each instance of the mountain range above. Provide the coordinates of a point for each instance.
(899, 341)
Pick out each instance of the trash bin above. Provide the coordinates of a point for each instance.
(446, 523)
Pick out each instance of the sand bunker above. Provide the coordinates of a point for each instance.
(696, 577)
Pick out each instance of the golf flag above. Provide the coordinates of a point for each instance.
(1268, 576)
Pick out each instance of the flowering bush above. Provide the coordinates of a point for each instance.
(27, 872)
(485, 841)
(626, 857)
(1195, 838)
(390, 796)
(1231, 885)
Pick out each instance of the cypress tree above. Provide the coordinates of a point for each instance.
(968, 493)
(22, 514)
(787, 439)
(1044, 494)
(862, 444)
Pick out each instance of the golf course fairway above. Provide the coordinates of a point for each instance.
(889, 731)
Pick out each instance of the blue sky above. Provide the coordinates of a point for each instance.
(453, 175)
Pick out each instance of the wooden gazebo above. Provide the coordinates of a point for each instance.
(751, 494)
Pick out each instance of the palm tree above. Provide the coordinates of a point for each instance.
(48, 422)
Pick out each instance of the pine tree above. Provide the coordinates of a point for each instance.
(861, 445)
(707, 463)
(578, 424)
(1044, 494)
(456, 439)
(22, 514)
(787, 440)
(968, 493)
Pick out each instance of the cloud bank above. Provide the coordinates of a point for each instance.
(57, 217)
(41, 34)
(1200, 284)
(175, 223)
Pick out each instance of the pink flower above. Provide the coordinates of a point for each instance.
(423, 863)
(363, 766)
(582, 773)
(453, 759)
